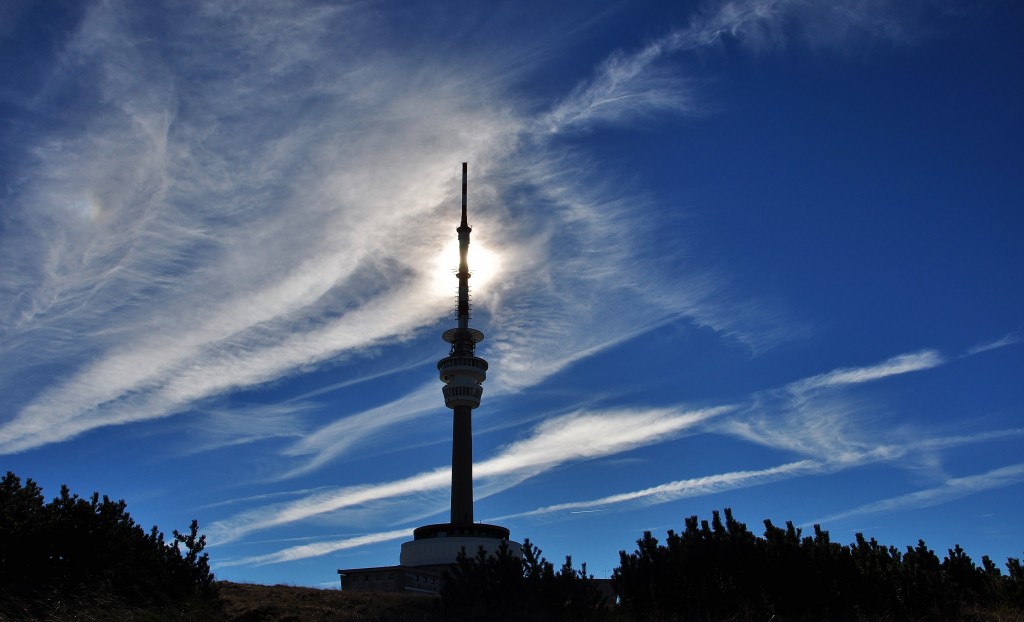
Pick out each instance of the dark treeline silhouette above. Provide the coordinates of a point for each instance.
(89, 553)
(722, 571)
(719, 570)
(506, 587)
(88, 550)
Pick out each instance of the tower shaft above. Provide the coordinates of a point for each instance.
(462, 466)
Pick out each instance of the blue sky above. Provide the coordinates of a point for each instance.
(758, 254)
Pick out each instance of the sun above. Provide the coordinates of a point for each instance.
(484, 265)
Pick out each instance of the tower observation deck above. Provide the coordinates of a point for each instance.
(463, 374)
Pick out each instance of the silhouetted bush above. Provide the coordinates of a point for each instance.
(716, 571)
(87, 549)
(504, 586)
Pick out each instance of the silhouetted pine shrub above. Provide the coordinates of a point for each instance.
(721, 571)
(503, 586)
(76, 549)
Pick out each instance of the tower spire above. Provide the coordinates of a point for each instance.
(464, 224)
(464, 343)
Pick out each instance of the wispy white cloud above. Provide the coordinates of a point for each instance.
(240, 423)
(163, 214)
(317, 549)
(574, 437)
(947, 442)
(627, 85)
(160, 220)
(637, 83)
(711, 484)
(817, 417)
(542, 454)
(193, 239)
(147, 381)
(582, 269)
(825, 433)
(586, 435)
(624, 86)
(950, 490)
(337, 437)
(1008, 339)
(263, 497)
(902, 364)
(691, 487)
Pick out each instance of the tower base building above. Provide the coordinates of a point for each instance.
(439, 545)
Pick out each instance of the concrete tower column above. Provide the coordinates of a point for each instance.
(462, 466)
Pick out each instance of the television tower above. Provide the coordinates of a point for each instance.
(462, 373)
